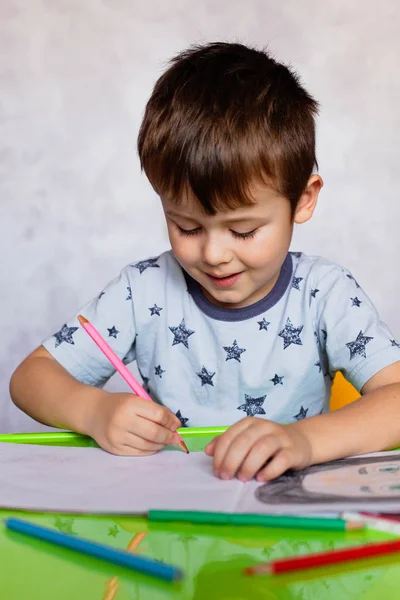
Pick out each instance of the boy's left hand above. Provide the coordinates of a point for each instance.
(244, 449)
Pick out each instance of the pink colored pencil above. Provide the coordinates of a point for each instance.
(119, 365)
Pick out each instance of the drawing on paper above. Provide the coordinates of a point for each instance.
(351, 480)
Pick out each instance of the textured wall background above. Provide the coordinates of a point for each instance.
(74, 78)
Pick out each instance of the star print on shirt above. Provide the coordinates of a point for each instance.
(100, 295)
(181, 334)
(183, 420)
(356, 302)
(112, 332)
(301, 414)
(253, 406)
(314, 292)
(325, 334)
(263, 324)
(206, 377)
(233, 351)
(318, 364)
(395, 343)
(145, 264)
(159, 371)
(65, 335)
(352, 278)
(357, 347)
(296, 282)
(129, 296)
(277, 379)
(155, 310)
(291, 334)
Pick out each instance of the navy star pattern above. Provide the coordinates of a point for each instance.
(182, 419)
(233, 351)
(276, 380)
(100, 295)
(155, 310)
(395, 343)
(325, 334)
(206, 377)
(296, 282)
(181, 334)
(301, 414)
(253, 406)
(318, 364)
(112, 331)
(65, 335)
(263, 324)
(314, 293)
(159, 371)
(357, 347)
(291, 334)
(356, 302)
(352, 278)
(129, 296)
(145, 264)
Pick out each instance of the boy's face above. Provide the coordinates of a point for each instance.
(235, 256)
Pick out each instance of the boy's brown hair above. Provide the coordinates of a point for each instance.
(222, 115)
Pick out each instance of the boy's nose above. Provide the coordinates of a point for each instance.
(216, 252)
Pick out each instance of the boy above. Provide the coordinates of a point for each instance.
(229, 327)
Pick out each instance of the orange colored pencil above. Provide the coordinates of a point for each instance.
(119, 365)
(321, 559)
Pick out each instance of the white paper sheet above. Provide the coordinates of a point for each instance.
(61, 479)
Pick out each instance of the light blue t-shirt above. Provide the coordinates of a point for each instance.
(210, 365)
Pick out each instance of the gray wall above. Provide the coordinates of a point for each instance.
(74, 78)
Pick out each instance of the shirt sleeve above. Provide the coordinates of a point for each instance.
(355, 340)
(112, 314)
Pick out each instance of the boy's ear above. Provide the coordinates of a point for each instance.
(308, 200)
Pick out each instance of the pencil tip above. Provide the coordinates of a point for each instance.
(183, 446)
(82, 320)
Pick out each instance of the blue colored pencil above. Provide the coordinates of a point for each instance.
(106, 553)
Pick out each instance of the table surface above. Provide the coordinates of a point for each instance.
(212, 558)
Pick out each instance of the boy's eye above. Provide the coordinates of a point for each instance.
(244, 236)
(236, 234)
(188, 231)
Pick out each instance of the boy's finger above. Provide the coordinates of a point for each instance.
(223, 442)
(210, 448)
(159, 414)
(263, 449)
(135, 442)
(152, 432)
(281, 462)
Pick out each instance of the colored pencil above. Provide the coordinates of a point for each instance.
(283, 521)
(119, 365)
(113, 584)
(374, 522)
(89, 548)
(311, 561)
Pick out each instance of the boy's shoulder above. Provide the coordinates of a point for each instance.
(153, 266)
(317, 267)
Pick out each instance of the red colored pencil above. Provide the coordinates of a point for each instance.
(119, 366)
(310, 561)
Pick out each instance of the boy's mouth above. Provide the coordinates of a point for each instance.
(224, 282)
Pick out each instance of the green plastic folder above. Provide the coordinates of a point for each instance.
(212, 557)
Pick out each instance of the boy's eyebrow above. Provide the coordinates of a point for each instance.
(227, 220)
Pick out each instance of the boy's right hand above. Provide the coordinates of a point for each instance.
(127, 425)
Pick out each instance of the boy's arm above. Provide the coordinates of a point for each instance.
(120, 423)
(43, 389)
(369, 424)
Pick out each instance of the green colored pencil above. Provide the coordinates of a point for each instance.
(283, 521)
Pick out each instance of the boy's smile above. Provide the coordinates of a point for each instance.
(235, 256)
